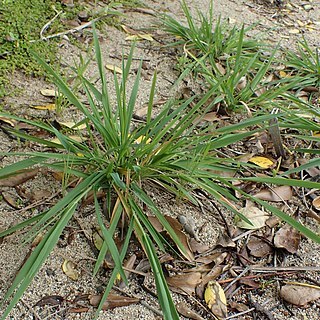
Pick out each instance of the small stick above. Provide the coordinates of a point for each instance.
(275, 135)
(45, 27)
(275, 269)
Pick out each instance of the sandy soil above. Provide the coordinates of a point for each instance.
(278, 25)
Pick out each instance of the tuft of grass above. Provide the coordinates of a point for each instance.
(305, 64)
(216, 53)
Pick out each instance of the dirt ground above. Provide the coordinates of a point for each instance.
(279, 23)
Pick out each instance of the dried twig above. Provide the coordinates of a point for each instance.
(46, 26)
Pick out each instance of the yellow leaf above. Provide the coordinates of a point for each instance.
(215, 298)
(113, 68)
(49, 92)
(75, 138)
(72, 125)
(145, 36)
(69, 268)
(262, 162)
(133, 37)
(142, 139)
(97, 239)
(50, 106)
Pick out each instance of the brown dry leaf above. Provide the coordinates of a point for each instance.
(177, 227)
(299, 295)
(136, 35)
(240, 307)
(256, 216)
(198, 247)
(262, 162)
(128, 265)
(215, 257)
(288, 238)
(53, 300)
(225, 241)
(113, 68)
(258, 247)
(221, 68)
(184, 310)
(277, 194)
(215, 298)
(185, 283)
(18, 178)
(69, 268)
(316, 202)
(113, 301)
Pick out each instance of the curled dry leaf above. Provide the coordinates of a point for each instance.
(18, 178)
(177, 228)
(69, 268)
(316, 203)
(282, 193)
(256, 216)
(185, 283)
(216, 300)
(184, 310)
(113, 301)
(288, 238)
(259, 247)
(113, 68)
(299, 295)
(53, 300)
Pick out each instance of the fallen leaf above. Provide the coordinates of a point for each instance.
(53, 300)
(259, 247)
(72, 137)
(177, 228)
(72, 125)
(277, 194)
(49, 92)
(288, 238)
(185, 283)
(49, 107)
(256, 216)
(242, 83)
(113, 301)
(184, 310)
(262, 162)
(69, 268)
(18, 177)
(215, 298)
(97, 239)
(299, 295)
(128, 265)
(113, 68)
(316, 202)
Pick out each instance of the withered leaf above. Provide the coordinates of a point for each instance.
(259, 247)
(262, 162)
(184, 310)
(184, 283)
(256, 216)
(113, 301)
(177, 228)
(288, 238)
(282, 193)
(53, 300)
(299, 295)
(18, 177)
(216, 299)
(69, 268)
